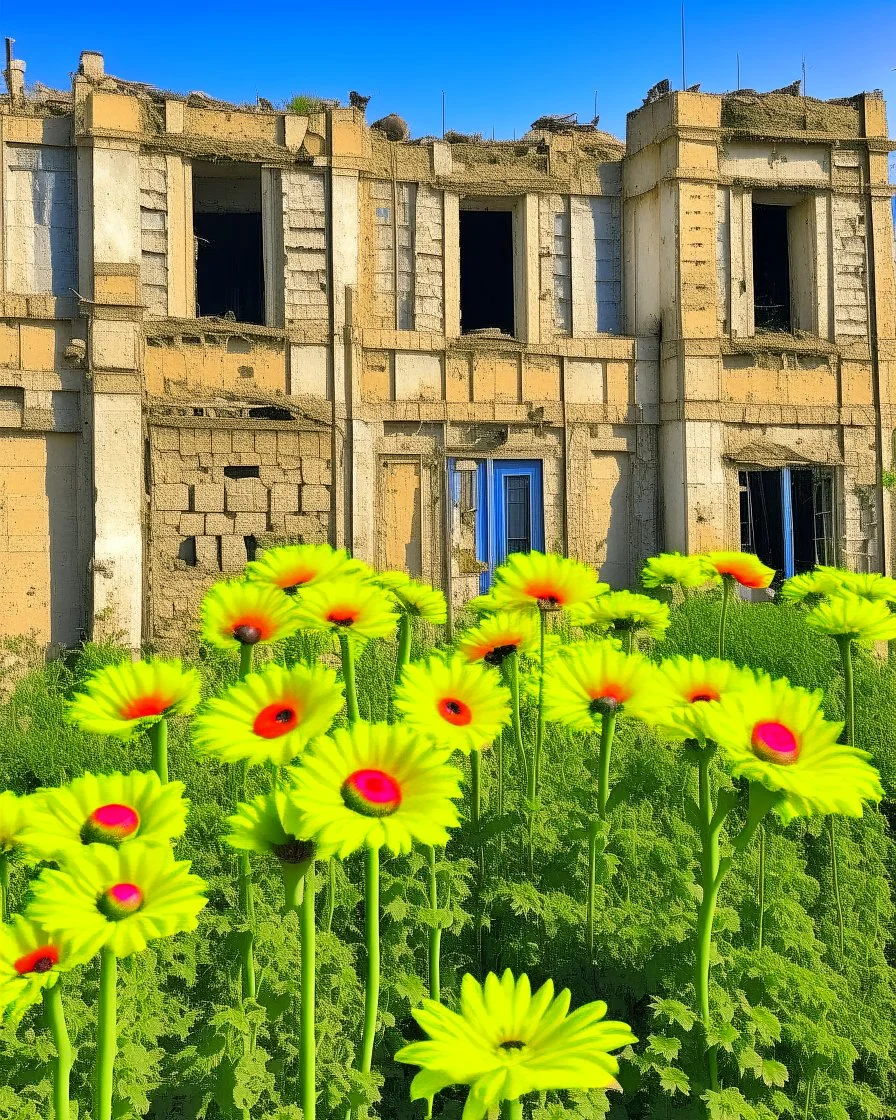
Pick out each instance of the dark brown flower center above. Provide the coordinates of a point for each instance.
(247, 634)
(294, 850)
(497, 655)
(512, 1044)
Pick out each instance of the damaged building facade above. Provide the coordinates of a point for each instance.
(224, 327)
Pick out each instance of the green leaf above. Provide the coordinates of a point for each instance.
(674, 1011)
(674, 1080)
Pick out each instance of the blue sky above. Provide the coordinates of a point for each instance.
(501, 64)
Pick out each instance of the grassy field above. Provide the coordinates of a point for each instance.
(801, 1032)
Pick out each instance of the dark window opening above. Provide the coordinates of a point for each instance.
(786, 518)
(517, 507)
(486, 271)
(228, 231)
(187, 551)
(771, 269)
(241, 472)
(251, 547)
(270, 412)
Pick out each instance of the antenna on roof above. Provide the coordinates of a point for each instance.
(683, 80)
(595, 104)
(738, 71)
(443, 114)
(804, 75)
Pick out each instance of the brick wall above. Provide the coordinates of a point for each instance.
(204, 524)
(305, 245)
(154, 232)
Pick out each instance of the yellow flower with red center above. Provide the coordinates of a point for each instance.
(592, 679)
(776, 734)
(243, 613)
(269, 716)
(458, 703)
(671, 569)
(292, 567)
(851, 617)
(353, 607)
(544, 581)
(743, 567)
(697, 682)
(32, 959)
(106, 809)
(621, 611)
(499, 635)
(373, 785)
(123, 700)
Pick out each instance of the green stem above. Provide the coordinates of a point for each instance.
(331, 894)
(348, 675)
(607, 729)
(158, 737)
(501, 763)
(726, 592)
(294, 875)
(306, 1008)
(372, 940)
(535, 767)
(512, 1110)
(844, 644)
(809, 1088)
(835, 876)
(627, 637)
(511, 668)
(761, 886)
(63, 1067)
(247, 906)
(245, 660)
(405, 634)
(435, 932)
(593, 833)
(106, 1036)
(476, 807)
(709, 867)
(4, 885)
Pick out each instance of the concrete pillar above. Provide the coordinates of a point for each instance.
(108, 175)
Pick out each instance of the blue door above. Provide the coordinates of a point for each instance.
(509, 510)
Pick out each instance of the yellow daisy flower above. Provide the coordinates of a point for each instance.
(269, 716)
(848, 616)
(243, 613)
(458, 703)
(413, 597)
(32, 959)
(544, 581)
(125, 699)
(593, 679)
(868, 585)
(499, 635)
(695, 683)
(373, 785)
(776, 734)
(671, 569)
(294, 566)
(747, 569)
(809, 586)
(505, 1042)
(352, 607)
(623, 611)
(15, 816)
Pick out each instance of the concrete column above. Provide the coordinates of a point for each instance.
(583, 258)
(531, 270)
(108, 175)
(451, 249)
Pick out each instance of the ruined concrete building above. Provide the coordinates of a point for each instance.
(223, 326)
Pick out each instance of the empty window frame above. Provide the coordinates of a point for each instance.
(488, 283)
(787, 518)
(227, 227)
(40, 220)
(395, 206)
(783, 265)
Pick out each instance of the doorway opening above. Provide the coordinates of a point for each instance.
(486, 271)
(787, 518)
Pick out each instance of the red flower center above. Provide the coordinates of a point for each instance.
(120, 901)
(746, 575)
(250, 628)
(153, 704)
(291, 580)
(343, 616)
(547, 594)
(774, 742)
(703, 692)
(110, 824)
(276, 720)
(38, 960)
(372, 793)
(455, 711)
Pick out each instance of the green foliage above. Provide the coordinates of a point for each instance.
(799, 1033)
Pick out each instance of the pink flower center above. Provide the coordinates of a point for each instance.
(455, 711)
(774, 742)
(276, 720)
(38, 960)
(120, 901)
(372, 793)
(110, 824)
(153, 704)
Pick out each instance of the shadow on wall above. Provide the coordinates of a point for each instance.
(66, 570)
